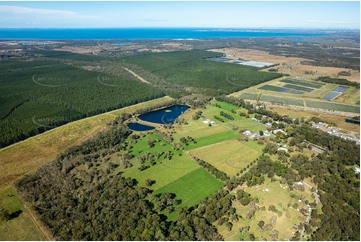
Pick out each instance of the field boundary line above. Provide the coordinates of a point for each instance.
(33, 217)
(206, 146)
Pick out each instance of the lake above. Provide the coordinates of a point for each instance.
(165, 115)
(139, 127)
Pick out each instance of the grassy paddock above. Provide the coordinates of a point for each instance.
(333, 106)
(193, 187)
(21, 227)
(231, 156)
(212, 139)
(163, 173)
(304, 83)
(266, 98)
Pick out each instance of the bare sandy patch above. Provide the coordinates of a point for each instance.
(289, 65)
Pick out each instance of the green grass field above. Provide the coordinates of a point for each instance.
(333, 106)
(193, 187)
(196, 129)
(265, 98)
(212, 139)
(230, 156)
(249, 96)
(246, 124)
(305, 89)
(163, 173)
(21, 227)
(303, 83)
(141, 146)
(227, 106)
(280, 89)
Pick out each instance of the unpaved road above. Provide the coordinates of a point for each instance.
(136, 75)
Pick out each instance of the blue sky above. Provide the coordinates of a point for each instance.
(180, 14)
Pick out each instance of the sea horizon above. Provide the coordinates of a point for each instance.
(154, 33)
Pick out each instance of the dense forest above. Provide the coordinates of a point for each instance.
(193, 70)
(38, 95)
(59, 87)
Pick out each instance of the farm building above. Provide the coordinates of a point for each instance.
(247, 132)
(282, 149)
(279, 131)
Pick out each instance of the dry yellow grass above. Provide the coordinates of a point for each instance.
(276, 196)
(338, 120)
(26, 156)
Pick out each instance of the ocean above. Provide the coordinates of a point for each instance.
(150, 33)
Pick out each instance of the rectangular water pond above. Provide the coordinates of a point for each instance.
(335, 93)
(280, 89)
(300, 88)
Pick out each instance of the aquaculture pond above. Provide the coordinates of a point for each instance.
(335, 93)
(139, 127)
(165, 115)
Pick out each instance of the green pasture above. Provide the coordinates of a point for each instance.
(193, 187)
(231, 156)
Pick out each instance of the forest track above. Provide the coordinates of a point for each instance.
(136, 75)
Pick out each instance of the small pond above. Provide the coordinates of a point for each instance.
(331, 95)
(340, 89)
(139, 127)
(165, 115)
(335, 93)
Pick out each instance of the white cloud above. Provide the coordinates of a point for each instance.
(41, 11)
(329, 21)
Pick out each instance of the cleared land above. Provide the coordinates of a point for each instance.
(288, 64)
(273, 99)
(305, 89)
(333, 106)
(279, 89)
(212, 139)
(304, 83)
(229, 156)
(301, 102)
(338, 120)
(20, 227)
(193, 187)
(163, 173)
(277, 196)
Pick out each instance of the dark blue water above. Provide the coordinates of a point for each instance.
(331, 95)
(139, 127)
(352, 121)
(340, 89)
(149, 33)
(164, 115)
(336, 92)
